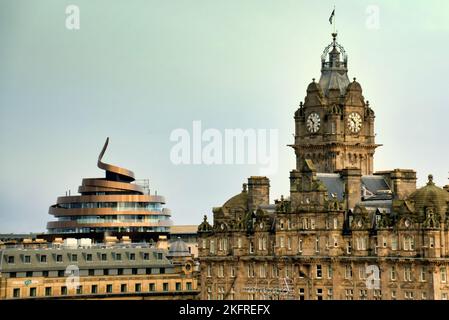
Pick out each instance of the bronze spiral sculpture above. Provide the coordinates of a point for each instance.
(113, 204)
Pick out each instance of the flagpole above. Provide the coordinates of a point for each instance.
(335, 18)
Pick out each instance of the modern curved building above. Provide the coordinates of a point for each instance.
(114, 206)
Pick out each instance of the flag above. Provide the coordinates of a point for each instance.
(331, 18)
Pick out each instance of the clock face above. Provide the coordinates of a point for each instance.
(354, 122)
(313, 122)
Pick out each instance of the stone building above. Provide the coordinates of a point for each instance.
(78, 269)
(344, 232)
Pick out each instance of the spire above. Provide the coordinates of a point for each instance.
(334, 68)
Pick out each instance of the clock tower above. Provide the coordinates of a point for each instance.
(334, 127)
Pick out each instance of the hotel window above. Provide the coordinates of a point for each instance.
(348, 247)
(204, 244)
(444, 296)
(12, 274)
(393, 273)
(260, 243)
(250, 270)
(45, 273)
(10, 259)
(59, 258)
(377, 294)
(264, 243)
(422, 274)
(94, 288)
(138, 287)
(232, 273)
(159, 256)
(394, 243)
(281, 224)
(132, 256)
(408, 244)
(317, 244)
(109, 288)
(384, 242)
(281, 242)
(134, 270)
(118, 256)
(188, 286)
(104, 257)
(151, 287)
(239, 243)
(29, 274)
(362, 272)
(47, 291)
(27, 259)
(212, 246)
(408, 295)
(289, 224)
(363, 294)
(407, 273)
(335, 223)
(424, 296)
(301, 294)
(221, 271)
(330, 294)
(209, 293)
(178, 286)
(349, 293)
(33, 292)
(209, 271)
(79, 290)
(300, 245)
(221, 292)
(61, 273)
(312, 224)
(89, 257)
(319, 294)
(361, 243)
(165, 286)
(251, 246)
(443, 275)
(43, 258)
(16, 293)
(123, 288)
(330, 272)
(262, 271)
(231, 294)
(289, 243)
(74, 257)
(91, 272)
(393, 295)
(304, 223)
(319, 271)
(63, 290)
(348, 271)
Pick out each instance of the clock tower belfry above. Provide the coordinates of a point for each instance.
(334, 127)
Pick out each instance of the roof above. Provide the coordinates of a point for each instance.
(184, 229)
(374, 184)
(179, 249)
(430, 195)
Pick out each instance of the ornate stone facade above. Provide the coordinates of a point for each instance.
(344, 232)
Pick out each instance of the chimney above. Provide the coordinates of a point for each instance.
(352, 178)
(258, 192)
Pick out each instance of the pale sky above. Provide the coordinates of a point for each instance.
(137, 70)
